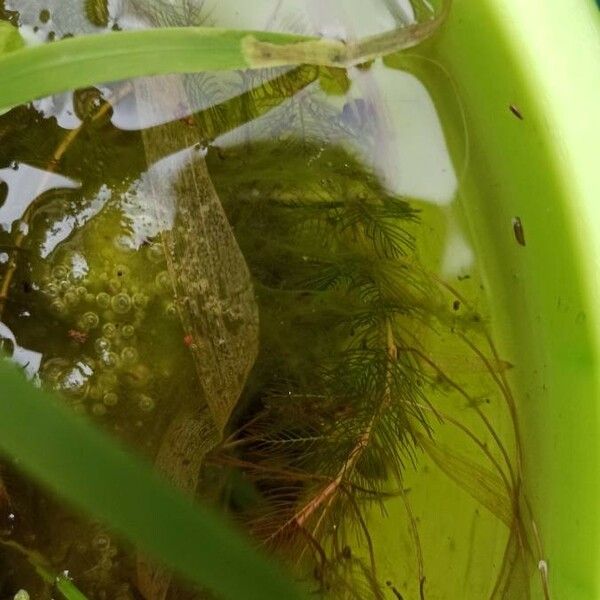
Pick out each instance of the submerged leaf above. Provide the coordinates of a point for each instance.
(482, 484)
(213, 292)
(513, 580)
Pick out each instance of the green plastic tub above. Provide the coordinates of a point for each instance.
(516, 85)
(528, 76)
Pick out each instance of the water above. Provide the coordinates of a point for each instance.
(272, 266)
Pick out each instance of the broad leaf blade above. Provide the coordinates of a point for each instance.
(480, 483)
(85, 467)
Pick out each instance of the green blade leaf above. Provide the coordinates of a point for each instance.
(88, 469)
(37, 71)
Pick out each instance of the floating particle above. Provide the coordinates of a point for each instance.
(121, 271)
(515, 111)
(44, 15)
(77, 336)
(518, 230)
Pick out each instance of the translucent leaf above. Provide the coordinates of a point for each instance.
(513, 580)
(479, 482)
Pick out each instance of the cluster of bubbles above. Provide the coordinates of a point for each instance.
(105, 313)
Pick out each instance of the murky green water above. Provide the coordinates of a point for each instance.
(261, 282)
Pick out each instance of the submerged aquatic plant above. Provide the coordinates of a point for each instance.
(345, 396)
(340, 402)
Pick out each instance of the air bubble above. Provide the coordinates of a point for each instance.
(129, 355)
(109, 330)
(110, 359)
(155, 253)
(90, 320)
(52, 290)
(171, 310)
(95, 393)
(101, 542)
(114, 286)
(60, 272)
(128, 331)
(58, 307)
(163, 280)
(121, 271)
(103, 300)
(102, 345)
(110, 399)
(108, 380)
(99, 410)
(71, 298)
(121, 303)
(140, 300)
(146, 403)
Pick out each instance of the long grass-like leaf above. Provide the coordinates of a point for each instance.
(61, 583)
(37, 71)
(89, 470)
